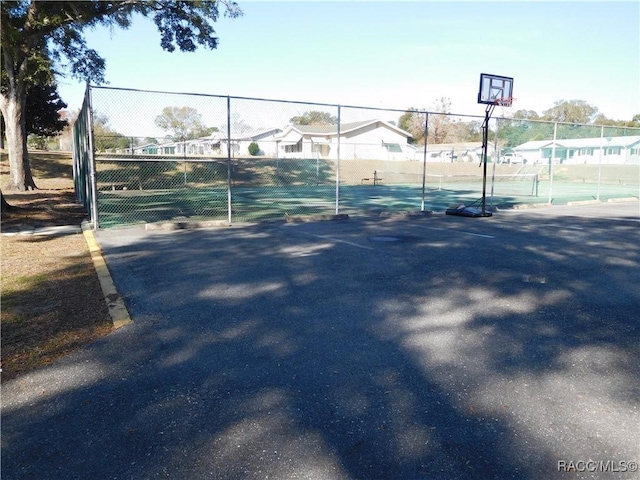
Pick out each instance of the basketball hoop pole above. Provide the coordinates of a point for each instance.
(494, 90)
(485, 144)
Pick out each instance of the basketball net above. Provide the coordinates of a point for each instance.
(503, 102)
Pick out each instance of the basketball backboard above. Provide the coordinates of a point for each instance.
(495, 90)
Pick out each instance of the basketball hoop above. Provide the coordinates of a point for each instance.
(503, 101)
(495, 90)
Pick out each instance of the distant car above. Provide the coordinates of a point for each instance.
(512, 158)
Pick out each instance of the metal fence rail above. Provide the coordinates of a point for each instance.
(242, 159)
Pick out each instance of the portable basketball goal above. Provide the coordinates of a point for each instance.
(494, 90)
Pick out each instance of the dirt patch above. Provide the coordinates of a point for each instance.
(52, 302)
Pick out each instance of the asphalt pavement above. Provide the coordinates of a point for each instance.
(402, 347)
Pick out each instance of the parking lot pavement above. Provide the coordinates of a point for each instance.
(430, 348)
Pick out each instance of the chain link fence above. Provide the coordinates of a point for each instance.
(142, 156)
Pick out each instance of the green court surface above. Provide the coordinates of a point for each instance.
(125, 207)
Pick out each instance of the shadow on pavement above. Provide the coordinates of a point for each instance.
(428, 348)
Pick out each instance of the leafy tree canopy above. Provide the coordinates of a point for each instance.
(43, 111)
(43, 38)
(413, 122)
(51, 33)
(571, 111)
(314, 117)
(183, 123)
(526, 115)
(105, 137)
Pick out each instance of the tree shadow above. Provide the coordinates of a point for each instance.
(46, 316)
(51, 165)
(317, 350)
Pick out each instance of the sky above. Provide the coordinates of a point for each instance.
(396, 54)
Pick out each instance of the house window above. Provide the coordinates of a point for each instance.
(613, 151)
(560, 152)
(321, 148)
(392, 147)
(297, 147)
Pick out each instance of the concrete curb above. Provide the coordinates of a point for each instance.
(583, 202)
(619, 200)
(117, 309)
(315, 218)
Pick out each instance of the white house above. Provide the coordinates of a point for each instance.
(240, 142)
(370, 139)
(216, 144)
(607, 150)
(451, 152)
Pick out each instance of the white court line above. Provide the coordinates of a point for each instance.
(337, 240)
(475, 234)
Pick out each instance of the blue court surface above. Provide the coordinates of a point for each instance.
(117, 208)
(376, 347)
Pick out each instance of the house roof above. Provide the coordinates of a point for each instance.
(535, 145)
(593, 142)
(329, 130)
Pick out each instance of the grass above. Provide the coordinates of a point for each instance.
(51, 300)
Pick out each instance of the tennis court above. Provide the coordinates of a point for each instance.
(121, 207)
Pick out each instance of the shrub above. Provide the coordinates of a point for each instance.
(254, 149)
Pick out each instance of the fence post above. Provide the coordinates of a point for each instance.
(92, 161)
(600, 161)
(553, 155)
(229, 158)
(494, 159)
(338, 168)
(424, 159)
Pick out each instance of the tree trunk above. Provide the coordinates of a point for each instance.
(1, 132)
(4, 205)
(12, 106)
(20, 177)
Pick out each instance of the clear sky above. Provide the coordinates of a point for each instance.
(395, 54)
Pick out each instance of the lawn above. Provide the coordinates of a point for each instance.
(52, 302)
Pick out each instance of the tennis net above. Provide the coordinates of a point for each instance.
(502, 184)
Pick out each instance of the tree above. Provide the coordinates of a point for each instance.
(526, 115)
(104, 137)
(314, 117)
(413, 122)
(238, 125)
(184, 123)
(440, 124)
(572, 111)
(469, 131)
(40, 38)
(42, 113)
